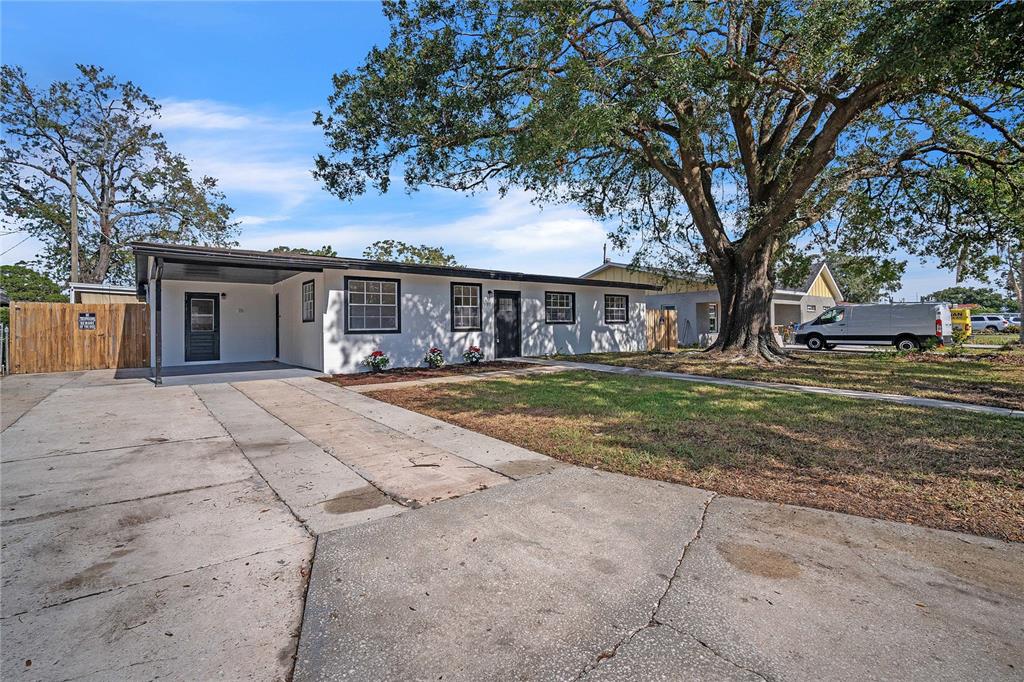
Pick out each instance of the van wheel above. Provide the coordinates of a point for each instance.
(815, 342)
(906, 343)
(991, 328)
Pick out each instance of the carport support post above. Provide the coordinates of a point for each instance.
(158, 322)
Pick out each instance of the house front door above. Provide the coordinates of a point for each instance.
(202, 327)
(507, 339)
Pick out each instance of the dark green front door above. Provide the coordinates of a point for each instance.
(202, 327)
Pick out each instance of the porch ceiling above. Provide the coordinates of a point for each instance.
(208, 272)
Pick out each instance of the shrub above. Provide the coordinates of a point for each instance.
(377, 361)
(434, 358)
(473, 355)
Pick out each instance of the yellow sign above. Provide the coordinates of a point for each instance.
(961, 318)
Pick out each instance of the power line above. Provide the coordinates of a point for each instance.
(16, 245)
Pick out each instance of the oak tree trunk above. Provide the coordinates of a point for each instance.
(745, 286)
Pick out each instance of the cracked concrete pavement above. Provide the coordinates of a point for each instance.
(169, 533)
(582, 574)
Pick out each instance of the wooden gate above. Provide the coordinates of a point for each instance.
(65, 337)
(662, 329)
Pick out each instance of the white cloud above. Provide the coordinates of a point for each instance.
(506, 233)
(245, 151)
(201, 115)
(257, 220)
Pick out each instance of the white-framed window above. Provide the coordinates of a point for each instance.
(559, 307)
(308, 300)
(466, 307)
(812, 308)
(616, 309)
(373, 305)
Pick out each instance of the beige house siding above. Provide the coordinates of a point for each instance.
(89, 297)
(820, 287)
(670, 285)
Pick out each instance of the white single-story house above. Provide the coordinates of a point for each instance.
(697, 303)
(216, 305)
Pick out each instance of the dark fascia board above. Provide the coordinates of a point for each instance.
(210, 254)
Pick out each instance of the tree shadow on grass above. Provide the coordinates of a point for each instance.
(704, 426)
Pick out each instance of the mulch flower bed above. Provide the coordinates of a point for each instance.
(413, 373)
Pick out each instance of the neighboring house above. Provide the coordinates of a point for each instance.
(80, 292)
(698, 305)
(223, 305)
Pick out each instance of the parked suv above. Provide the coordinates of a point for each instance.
(988, 323)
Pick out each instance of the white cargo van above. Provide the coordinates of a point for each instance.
(908, 326)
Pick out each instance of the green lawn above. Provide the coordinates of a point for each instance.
(987, 378)
(935, 467)
(993, 339)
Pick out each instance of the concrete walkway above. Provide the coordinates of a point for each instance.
(773, 386)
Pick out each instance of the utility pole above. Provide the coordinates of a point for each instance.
(74, 221)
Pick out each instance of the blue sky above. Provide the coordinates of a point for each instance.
(239, 83)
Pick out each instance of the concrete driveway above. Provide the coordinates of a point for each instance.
(169, 533)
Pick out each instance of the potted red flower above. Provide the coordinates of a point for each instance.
(434, 358)
(377, 361)
(473, 356)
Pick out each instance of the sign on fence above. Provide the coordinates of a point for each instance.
(87, 320)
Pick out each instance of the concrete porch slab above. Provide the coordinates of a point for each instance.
(232, 372)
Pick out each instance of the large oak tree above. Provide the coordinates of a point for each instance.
(733, 126)
(130, 186)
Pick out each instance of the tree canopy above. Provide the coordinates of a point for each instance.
(131, 186)
(987, 299)
(22, 283)
(400, 252)
(325, 250)
(716, 132)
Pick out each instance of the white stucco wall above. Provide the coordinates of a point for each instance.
(690, 327)
(426, 322)
(246, 321)
(301, 342)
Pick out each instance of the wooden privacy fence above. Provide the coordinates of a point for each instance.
(64, 337)
(662, 329)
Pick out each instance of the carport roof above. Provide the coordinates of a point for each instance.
(208, 263)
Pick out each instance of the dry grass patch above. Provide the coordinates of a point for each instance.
(938, 468)
(987, 378)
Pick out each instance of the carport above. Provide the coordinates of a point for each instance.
(220, 311)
